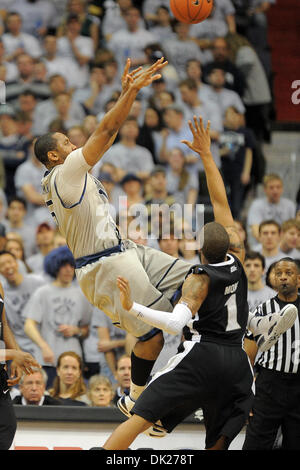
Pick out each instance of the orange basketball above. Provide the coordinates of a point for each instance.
(191, 11)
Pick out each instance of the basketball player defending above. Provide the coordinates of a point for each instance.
(79, 204)
(211, 369)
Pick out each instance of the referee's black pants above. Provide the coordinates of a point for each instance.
(276, 403)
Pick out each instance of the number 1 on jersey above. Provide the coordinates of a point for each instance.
(232, 323)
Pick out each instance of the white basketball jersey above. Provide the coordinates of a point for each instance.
(86, 224)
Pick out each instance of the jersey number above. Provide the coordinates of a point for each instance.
(232, 323)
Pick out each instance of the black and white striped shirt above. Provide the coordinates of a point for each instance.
(283, 356)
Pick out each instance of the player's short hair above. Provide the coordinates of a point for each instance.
(43, 145)
(255, 255)
(215, 242)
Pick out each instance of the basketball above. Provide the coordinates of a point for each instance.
(191, 11)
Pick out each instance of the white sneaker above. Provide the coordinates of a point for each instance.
(125, 405)
(275, 324)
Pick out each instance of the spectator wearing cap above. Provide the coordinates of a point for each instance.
(16, 222)
(13, 147)
(16, 41)
(44, 243)
(130, 157)
(80, 49)
(57, 315)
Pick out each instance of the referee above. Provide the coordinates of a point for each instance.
(277, 395)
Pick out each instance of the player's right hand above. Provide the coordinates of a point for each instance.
(22, 362)
(125, 293)
(149, 75)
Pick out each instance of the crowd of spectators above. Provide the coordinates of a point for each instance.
(61, 61)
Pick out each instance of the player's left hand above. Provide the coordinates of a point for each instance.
(125, 293)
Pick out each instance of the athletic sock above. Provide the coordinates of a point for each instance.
(140, 372)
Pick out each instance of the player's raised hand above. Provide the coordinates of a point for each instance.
(147, 76)
(201, 137)
(125, 293)
(128, 77)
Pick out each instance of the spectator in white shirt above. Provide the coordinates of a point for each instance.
(37, 15)
(78, 48)
(131, 42)
(17, 42)
(220, 95)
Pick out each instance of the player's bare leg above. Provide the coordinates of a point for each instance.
(126, 433)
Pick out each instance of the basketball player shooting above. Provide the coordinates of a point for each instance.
(79, 205)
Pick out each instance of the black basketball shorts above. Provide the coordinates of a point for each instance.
(207, 375)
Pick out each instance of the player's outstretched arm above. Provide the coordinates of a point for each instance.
(194, 292)
(105, 134)
(201, 145)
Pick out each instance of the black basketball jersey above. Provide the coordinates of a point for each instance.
(223, 315)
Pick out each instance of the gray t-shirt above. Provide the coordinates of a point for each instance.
(29, 173)
(261, 210)
(179, 52)
(51, 306)
(256, 297)
(16, 299)
(90, 344)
